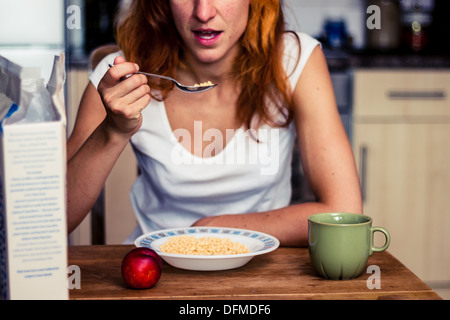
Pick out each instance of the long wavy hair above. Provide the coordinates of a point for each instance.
(146, 34)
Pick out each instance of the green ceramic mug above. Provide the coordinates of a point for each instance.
(341, 243)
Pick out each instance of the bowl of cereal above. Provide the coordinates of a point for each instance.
(208, 248)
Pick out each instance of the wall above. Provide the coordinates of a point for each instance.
(32, 32)
(309, 15)
(32, 22)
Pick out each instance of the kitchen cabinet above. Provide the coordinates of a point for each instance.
(117, 214)
(401, 139)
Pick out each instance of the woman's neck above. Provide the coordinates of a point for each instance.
(195, 71)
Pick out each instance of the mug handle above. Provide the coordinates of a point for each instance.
(387, 237)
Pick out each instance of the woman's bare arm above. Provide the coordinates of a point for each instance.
(106, 120)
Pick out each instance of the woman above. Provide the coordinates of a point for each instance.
(222, 157)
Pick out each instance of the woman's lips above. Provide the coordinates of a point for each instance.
(207, 37)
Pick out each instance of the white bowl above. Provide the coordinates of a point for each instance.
(257, 242)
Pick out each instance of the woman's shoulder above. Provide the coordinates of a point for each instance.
(299, 41)
(298, 47)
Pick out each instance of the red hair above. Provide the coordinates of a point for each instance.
(146, 33)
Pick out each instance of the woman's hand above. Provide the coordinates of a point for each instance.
(124, 98)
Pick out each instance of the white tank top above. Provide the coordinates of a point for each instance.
(176, 188)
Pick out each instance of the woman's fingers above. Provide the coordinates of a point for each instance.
(119, 59)
(125, 94)
(137, 93)
(130, 84)
(140, 105)
(119, 71)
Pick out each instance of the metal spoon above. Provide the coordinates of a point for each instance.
(190, 89)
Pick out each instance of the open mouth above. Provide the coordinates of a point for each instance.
(207, 34)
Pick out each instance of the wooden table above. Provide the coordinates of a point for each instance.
(284, 274)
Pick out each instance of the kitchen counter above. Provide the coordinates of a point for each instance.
(342, 59)
(400, 61)
(284, 274)
(345, 59)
